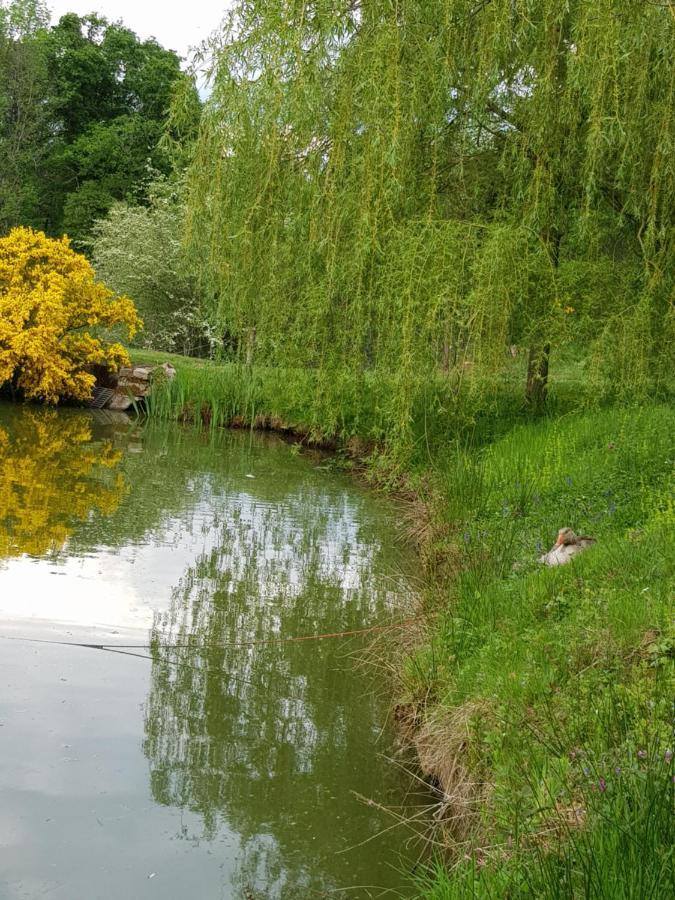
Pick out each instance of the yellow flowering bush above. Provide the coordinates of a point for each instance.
(51, 307)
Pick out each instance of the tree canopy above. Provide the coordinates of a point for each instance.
(82, 110)
(137, 250)
(410, 186)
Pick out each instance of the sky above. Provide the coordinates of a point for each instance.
(176, 26)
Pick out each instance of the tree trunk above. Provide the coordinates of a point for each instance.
(537, 376)
(250, 347)
(536, 388)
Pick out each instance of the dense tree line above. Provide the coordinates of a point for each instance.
(83, 111)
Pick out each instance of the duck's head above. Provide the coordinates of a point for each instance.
(566, 536)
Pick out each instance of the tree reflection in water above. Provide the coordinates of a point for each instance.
(272, 740)
(52, 477)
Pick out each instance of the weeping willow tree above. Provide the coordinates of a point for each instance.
(401, 189)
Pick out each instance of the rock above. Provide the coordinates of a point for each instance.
(134, 383)
(120, 402)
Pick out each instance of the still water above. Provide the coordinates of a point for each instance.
(159, 736)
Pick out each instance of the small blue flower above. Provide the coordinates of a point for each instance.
(568, 480)
(611, 507)
(587, 771)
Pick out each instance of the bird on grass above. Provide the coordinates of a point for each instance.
(566, 546)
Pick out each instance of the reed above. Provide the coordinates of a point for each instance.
(338, 406)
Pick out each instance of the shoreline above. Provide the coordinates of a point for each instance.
(480, 746)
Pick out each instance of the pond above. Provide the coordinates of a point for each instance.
(160, 735)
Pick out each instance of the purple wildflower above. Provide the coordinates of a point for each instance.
(602, 784)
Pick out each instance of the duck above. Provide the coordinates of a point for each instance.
(567, 545)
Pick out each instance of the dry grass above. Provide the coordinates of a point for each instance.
(440, 747)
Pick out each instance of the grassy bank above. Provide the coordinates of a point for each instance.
(539, 701)
(542, 699)
(337, 408)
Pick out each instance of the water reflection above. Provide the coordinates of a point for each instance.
(273, 739)
(51, 476)
(244, 770)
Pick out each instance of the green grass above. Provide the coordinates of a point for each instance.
(624, 853)
(337, 406)
(567, 673)
(157, 357)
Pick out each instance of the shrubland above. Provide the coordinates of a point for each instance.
(57, 321)
(137, 250)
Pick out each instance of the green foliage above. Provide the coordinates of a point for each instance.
(24, 124)
(138, 251)
(402, 188)
(89, 202)
(100, 70)
(181, 128)
(82, 110)
(22, 18)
